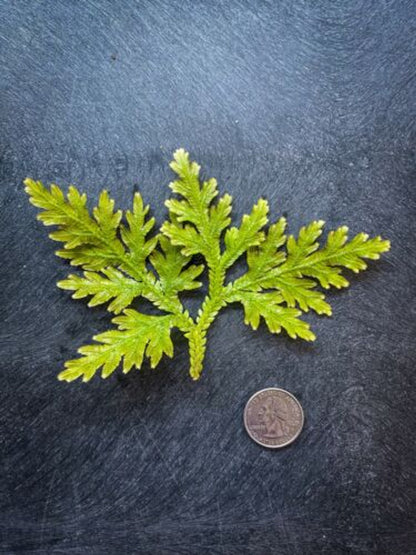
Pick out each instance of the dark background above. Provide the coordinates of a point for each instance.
(309, 103)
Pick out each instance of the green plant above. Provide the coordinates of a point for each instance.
(122, 260)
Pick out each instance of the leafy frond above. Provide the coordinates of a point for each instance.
(239, 240)
(301, 292)
(110, 284)
(326, 264)
(219, 216)
(195, 223)
(295, 274)
(269, 306)
(186, 237)
(170, 266)
(107, 220)
(306, 243)
(124, 260)
(90, 242)
(264, 258)
(138, 335)
(135, 234)
(188, 172)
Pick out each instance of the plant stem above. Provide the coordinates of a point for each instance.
(214, 301)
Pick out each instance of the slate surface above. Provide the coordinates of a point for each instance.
(311, 104)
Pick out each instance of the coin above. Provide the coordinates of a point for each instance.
(273, 417)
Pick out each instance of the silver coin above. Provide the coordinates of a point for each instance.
(273, 417)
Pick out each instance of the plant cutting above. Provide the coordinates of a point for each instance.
(122, 259)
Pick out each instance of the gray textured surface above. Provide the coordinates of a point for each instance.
(308, 103)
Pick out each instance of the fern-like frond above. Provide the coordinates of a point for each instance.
(170, 266)
(326, 264)
(239, 239)
(300, 292)
(110, 284)
(264, 258)
(138, 335)
(135, 234)
(297, 272)
(277, 316)
(90, 242)
(123, 260)
(186, 237)
(219, 216)
(195, 223)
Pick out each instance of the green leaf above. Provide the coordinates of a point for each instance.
(296, 291)
(186, 237)
(306, 243)
(219, 216)
(269, 306)
(326, 264)
(239, 240)
(264, 258)
(183, 211)
(107, 220)
(137, 336)
(88, 242)
(270, 268)
(135, 234)
(170, 265)
(110, 284)
(188, 184)
(195, 225)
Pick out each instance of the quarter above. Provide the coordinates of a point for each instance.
(273, 417)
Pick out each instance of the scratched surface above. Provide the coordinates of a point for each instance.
(311, 104)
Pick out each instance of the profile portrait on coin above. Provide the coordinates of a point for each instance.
(272, 414)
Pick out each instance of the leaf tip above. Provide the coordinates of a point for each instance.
(28, 182)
